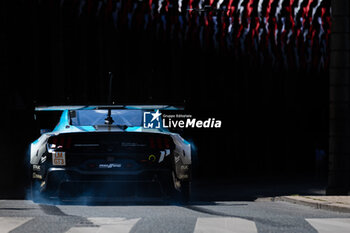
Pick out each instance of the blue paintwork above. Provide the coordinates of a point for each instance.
(64, 121)
(36, 141)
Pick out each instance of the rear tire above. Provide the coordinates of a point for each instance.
(34, 190)
(185, 193)
(181, 190)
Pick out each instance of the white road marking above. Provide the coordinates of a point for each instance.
(223, 225)
(9, 223)
(107, 225)
(330, 225)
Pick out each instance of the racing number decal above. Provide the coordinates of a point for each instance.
(59, 158)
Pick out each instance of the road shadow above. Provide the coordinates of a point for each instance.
(209, 192)
(250, 189)
(203, 192)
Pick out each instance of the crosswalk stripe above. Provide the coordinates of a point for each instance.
(330, 225)
(223, 225)
(107, 225)
(203, 225)
(9, 223)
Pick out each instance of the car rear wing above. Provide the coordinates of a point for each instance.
(96, 107)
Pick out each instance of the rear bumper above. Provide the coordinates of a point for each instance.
(73, 182)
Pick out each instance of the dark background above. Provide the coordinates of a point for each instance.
(273, 104)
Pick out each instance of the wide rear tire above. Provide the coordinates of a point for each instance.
(181, 190)
(185, 193)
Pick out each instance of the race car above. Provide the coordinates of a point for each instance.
(102, 150)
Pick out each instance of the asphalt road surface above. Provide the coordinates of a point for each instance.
(262, 215)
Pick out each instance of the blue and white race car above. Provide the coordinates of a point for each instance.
(103, 150)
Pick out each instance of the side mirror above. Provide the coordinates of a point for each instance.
(42, 131)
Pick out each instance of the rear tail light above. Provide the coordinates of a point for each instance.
(60, 142)
(151, 142)
(68, 143)
(166, 143)
(159, 142)
(53, 142)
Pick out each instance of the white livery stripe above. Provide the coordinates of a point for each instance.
(330, 225)
(9, 223)
(223, 225)
(107, 225)
(162, 153)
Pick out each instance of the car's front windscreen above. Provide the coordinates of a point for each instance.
(97, 117)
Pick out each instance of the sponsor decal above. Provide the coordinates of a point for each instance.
(43, 159)
(183, 176)
(132, 144)
(36, 176)
(86, 145)
(110, 165)
(152, 158)
(59, 158)
(156, 120)
(184, 167)
(36, 167)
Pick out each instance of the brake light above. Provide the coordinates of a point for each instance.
(166, 143)
(68, 143)
(151, 142)
(60, 142)
(54, 140)
(159, 143)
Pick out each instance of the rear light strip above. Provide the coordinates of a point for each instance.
(60, 142)
(65, 142)
(159, 142)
